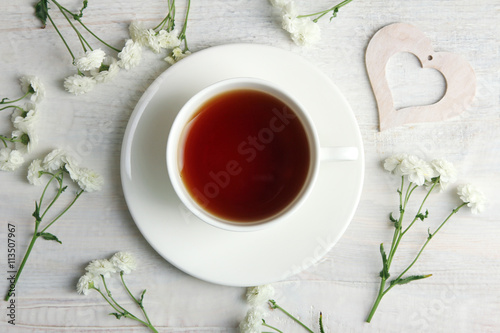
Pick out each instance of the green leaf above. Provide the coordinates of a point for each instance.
(409, 279)
(49, 236)
(392, 218)
(384, 273)
(85, 3)
(117, 315)
(36, 213)
(42, 11)
(142, 296)
(423, 216)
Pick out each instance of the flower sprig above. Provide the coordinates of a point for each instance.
(254, 320)
(164, 36)
(24, 118)
(57, 166)
(95, 66)
(303, 29)
(415, 172)
(97, 271)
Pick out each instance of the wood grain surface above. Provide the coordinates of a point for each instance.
(463, 295)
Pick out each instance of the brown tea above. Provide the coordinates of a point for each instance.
(245, 156)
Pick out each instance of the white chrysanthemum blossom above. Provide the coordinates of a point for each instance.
(473, 197)
(57, 159)
(393, 164)
(10, 159)
(446, 172)
(279, 3)
(101, 267)
(124, 261)
(417, 170)
(25, 142)
(86, 282)
(153, 41)
(79, 84)
(176, 55)
(252, 323)
(107, 71)
(168, 40)
(87, 179)
(131, 54)
(260, 295)
(30, 83)
(305, 32)
(91, 60)
(26, 120)
(289, 17)
(35, 170)
(138, 33)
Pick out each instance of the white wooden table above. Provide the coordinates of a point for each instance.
(462, 296)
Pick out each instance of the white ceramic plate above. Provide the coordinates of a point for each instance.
(239, 258)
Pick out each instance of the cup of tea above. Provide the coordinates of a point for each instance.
(243, 154)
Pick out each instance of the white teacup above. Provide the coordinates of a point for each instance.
(198, 200)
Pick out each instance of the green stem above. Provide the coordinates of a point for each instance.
(324, 12)
(60, 35)
(182, 35)
(139, 303)
(64, 211)
(23, 263)
(59, 191)
(16, 100)
(96, 37)
(420, 208)
(269, 326)
(80, 37)
(169, 18)
(276, 306)
(382, 292)
(14, 106)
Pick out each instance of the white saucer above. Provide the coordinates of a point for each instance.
(239, 258)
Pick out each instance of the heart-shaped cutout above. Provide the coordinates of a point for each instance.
(402, 37)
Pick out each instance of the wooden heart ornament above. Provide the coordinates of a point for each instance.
(402, 37)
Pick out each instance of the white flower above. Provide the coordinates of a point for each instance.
(34, 172)
(393, 164)
(417, 170)
(168, 40)
(25, 120)
(473, 197)
(252, 323)
(10, 159)
(78, 84)
(86, 282)
(138, 33)
(101, 267)
(107, 71)
(259, 295)
(124, 261)
(176, 55)
(56, 159)
(153, 41)
(91, 60)
(289, 10)
(279, 3)
(446, 171)
(87, 179)
(305, 32)
(35, 86)
(130, 56)
(27, 142)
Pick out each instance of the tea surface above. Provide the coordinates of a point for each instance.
(246, 156)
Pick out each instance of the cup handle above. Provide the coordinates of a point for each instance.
(338, 153)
